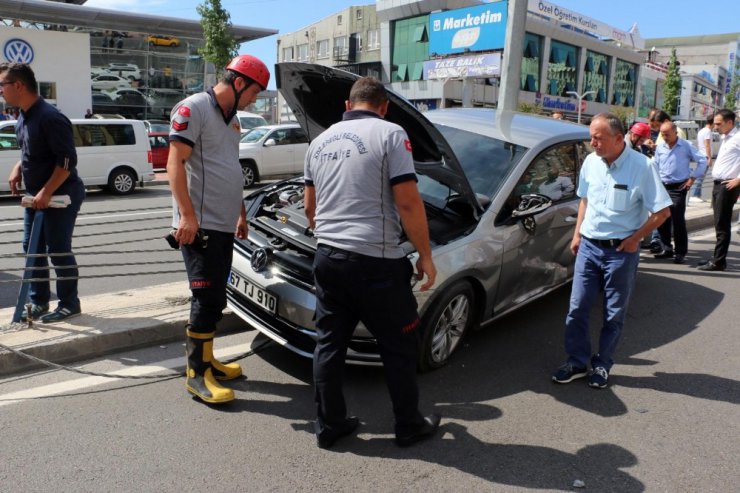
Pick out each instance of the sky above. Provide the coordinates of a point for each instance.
(654, 18)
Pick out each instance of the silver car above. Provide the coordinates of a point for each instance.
(499, 191)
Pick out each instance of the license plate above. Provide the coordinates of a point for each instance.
(253, 293)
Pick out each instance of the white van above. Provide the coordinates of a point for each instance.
(248, 121)
(111, 153)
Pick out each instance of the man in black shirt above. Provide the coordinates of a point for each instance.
(47, 167)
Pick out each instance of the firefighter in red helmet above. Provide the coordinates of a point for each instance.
(206, 182)
(638, 134)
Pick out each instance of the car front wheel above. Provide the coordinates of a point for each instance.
(121, 182)
(249, 173)
(445, 324)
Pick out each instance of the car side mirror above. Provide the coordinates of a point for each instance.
(270, 143)
(531, 204)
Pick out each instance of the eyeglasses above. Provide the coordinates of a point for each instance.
(3, 84)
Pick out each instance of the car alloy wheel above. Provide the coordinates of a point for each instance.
(446, 324)
(249, 174)
(121, 182)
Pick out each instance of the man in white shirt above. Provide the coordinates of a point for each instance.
(704, 145)
(726, 174)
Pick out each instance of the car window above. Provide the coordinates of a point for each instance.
(251, 122)
(553, 173)
(254, 135)
(8, 141)
(103, 135)
(298, 136)
(281, 136)
(486, 161)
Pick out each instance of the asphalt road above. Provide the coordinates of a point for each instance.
(669, 421)
(106, 226)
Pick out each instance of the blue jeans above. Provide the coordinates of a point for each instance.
(696, 188)
(55, 237)
(598, 268)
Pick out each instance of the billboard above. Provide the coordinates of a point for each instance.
(477, 28)
(464, 66)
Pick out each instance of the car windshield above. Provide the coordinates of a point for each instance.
(254, 135)
(159, 127)
(485, 161)
(251, 122)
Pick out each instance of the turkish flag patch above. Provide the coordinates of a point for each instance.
(184, 111)
(407, 143)
(179, 126)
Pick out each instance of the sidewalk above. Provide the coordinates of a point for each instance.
(118, 321)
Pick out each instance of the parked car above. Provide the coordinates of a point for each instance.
(112, 154)
(155, 40)
(272, 151)
(497, 243)
(248, 121)
(159, 142)
(105, 82)
(158, 126)
(128, 70)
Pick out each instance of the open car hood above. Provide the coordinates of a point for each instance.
(317, 93)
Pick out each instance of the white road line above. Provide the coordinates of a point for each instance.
(88, 382)
(117, 216)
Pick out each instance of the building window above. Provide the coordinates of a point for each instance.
(339, 20)
(625, 82)
(561, 71)
(303, 52)
(358, 37)
(359, 14)
(288, 54)
(531, 63)
(596, 76)
(340, 46)
(410, 48)
(322, 48)
(373, 39)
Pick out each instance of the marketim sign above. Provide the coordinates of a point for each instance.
(471, 29)
(463, 66)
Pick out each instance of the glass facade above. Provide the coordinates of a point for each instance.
(596, 76)
(561, 71)
(625, 83)
(531, 63)
(410, 48)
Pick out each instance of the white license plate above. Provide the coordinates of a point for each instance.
(253, 292)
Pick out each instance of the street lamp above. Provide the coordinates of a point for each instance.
(580, 97)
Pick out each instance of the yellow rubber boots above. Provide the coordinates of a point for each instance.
(200, 379)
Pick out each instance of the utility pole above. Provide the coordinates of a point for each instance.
(508, 95)
(580, 97)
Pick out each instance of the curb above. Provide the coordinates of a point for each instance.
(91, 346)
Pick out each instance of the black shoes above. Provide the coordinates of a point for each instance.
(679, 258)
(710, 266)
(656, 247)
(664, 254)
(328, 437)
(427, 429)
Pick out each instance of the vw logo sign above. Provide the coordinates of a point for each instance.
(259, 260)
(18, 51)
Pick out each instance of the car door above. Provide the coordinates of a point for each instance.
(537, 253)
(300, 146)
(277, 158)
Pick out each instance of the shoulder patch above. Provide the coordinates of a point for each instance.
(179, 126)
(407, 143)
(184, 111)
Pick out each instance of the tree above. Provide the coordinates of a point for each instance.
(731, 97)
(220, 46)
(672, 86)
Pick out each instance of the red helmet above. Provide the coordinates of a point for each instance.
(251, 67)
(641, 129)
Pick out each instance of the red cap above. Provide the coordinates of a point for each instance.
(641, 129)
(251, 67)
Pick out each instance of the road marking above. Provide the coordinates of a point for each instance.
(116, 216)
(88, 382)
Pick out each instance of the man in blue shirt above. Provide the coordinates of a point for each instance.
(47, 167)
(673, 159)
(622, 200)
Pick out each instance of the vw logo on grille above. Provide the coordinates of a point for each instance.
(260, 258)
(18, 51)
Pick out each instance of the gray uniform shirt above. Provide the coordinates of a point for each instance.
(214, 173)
(353, 165)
